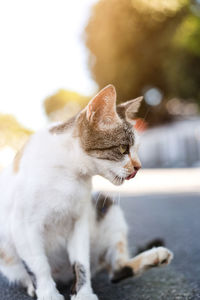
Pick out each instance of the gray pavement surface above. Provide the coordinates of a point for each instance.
(174, 218)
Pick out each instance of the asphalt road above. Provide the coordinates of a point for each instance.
(174, 218)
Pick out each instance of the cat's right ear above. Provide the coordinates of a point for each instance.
(101, 110)
(127, 110)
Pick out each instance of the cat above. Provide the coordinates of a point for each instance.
(50, 229)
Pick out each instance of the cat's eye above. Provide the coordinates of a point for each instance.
(124, 149)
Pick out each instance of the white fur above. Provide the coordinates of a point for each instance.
(47, 218)
(42, 204)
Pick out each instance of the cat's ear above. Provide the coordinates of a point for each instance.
(101, 110)
(129, 109)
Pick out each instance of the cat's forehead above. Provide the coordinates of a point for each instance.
(93, 138)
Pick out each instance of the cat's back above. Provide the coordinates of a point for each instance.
(25, 161)
(20, 175)
(39, 151)
(44, 163)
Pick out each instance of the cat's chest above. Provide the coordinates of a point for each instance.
(60, 223)
(69, 199)
(59, 226)
(68, 191)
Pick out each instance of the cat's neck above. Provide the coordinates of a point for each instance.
(71, 156)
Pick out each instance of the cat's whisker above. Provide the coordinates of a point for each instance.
(146, 114)
(99, 194)
(144, 119)
(106, 196)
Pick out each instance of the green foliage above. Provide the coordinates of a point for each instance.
(183, 63)
(188, 35)
(142, 43)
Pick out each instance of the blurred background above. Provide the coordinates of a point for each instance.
(55, 55)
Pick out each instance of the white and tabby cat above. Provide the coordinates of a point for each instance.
(50, 229)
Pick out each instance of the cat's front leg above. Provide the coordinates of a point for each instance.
(30, 247)
(79, 255)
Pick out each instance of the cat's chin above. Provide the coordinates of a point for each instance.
(117, 180)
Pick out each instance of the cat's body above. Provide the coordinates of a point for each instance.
(48, 223)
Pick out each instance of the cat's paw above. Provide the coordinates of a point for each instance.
(31, 290)
(28, 285)
(157, 257)
(84, 296)
(49, 295)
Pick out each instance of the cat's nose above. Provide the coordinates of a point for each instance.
(136, 168)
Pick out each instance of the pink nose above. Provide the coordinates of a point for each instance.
(137, 168)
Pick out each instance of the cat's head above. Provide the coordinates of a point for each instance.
(108, 137)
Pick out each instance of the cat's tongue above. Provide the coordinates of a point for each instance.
(131, 176)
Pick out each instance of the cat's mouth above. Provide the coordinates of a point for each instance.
(118, 180)
(132, 175)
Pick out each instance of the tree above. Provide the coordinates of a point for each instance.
(183, 65)
(135, 45)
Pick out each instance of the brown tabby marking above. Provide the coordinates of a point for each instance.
(129, 109)
(80, 278)
(103, 143)
(18, 157)
(63, 127)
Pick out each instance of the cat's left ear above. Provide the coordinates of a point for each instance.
(101, 110)
(127, 110)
